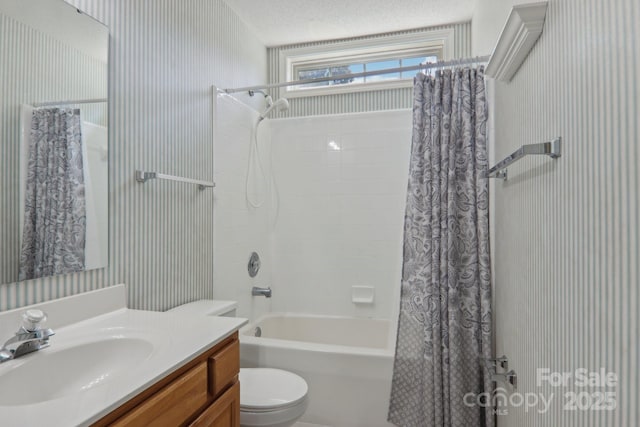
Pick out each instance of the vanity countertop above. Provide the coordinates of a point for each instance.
(96, 364)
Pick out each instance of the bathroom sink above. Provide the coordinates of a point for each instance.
(53, 372)
(102, 355)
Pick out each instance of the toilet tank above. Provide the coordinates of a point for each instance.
(207, 307)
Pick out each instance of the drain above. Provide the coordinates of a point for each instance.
(258, 332)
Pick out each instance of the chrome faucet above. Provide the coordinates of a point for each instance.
(29, 338)
(256, 291)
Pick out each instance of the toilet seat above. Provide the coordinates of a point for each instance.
(266, 389)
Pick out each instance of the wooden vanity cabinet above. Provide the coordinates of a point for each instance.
(203, 393)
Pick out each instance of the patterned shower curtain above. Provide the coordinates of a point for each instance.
(54, 233)
(444, 327)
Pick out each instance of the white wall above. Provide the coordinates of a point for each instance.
(240, 229)
(341, 182)
(96, 142)
(566, 232)
(61, 22)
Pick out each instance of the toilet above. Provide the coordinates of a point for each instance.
(268, 397)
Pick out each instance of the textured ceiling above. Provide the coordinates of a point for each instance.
(281, 22)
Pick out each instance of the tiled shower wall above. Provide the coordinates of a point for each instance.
(340, 188)
(566, 234)
(165, 55)
(240, 229)
(390, 99)
(340, 182)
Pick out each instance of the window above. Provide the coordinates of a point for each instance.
(344, 58)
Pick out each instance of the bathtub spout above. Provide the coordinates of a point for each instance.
(256, 291)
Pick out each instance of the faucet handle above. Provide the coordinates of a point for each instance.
(31, 319)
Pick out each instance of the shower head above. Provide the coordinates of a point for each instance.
(281, 104)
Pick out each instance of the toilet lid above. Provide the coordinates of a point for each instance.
(266, 388)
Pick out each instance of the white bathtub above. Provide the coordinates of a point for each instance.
(347, 363)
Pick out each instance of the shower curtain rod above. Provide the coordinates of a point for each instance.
(69, 102)
(454, 62)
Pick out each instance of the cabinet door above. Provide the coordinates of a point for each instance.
(173, 405)
(224, 412)
(224, 367)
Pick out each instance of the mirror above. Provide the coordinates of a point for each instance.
(53, 140)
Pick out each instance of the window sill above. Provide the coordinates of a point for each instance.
(346, 89)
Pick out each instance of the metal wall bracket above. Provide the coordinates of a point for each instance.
(142, 177)
(503, 174)
(506, 376)
(551, 148)
(502, 361)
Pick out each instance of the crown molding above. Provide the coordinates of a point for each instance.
(519, 35)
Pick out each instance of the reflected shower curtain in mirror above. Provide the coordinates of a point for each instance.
(54, 233)
(444, 328)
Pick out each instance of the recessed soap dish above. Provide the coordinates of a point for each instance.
(362, 294)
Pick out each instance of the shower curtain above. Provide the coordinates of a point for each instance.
(444, 328)
(54, 231)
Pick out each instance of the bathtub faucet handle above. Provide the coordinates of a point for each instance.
(257, 291)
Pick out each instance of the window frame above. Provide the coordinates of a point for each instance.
(438, 42)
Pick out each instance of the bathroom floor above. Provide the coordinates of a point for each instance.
(299, 424)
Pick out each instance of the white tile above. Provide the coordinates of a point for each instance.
(341, 212)
(238, 229)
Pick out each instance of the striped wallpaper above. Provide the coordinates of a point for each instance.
(390, 99)
(35, 67)
(567, 231)
(164, 57)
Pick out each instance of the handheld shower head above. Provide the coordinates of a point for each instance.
(281, 104)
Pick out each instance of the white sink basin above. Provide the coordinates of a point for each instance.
(102, 355)
(53, 373)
